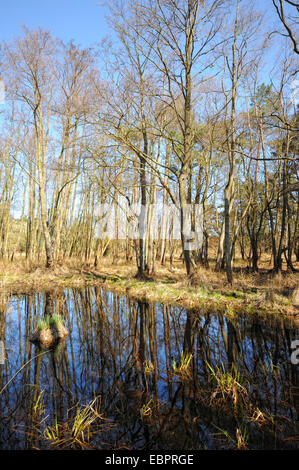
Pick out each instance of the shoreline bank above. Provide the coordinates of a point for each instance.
(174, 290)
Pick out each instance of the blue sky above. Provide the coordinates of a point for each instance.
(81, 20)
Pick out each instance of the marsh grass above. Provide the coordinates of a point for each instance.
(183, 368)
(146, 409)
(44, 323)
(79, 432)
(272, 369)
(56, 319)
(241, 438)
(228, 385)
(50, 321)
(261, 417)
(39, 408)
(240, 442)
(149, 367)
(251, 291)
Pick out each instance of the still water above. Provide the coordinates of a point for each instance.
(156, 373)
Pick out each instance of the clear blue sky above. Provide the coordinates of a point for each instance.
(84, 21)
(81, 20)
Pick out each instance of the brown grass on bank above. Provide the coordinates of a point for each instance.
(168, 284)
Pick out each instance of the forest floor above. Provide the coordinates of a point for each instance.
(250, 293)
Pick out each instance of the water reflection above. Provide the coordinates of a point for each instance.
(124, 352)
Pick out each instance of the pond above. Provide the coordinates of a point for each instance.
(134, 375)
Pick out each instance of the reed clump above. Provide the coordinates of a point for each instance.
(228, 385)
(77, 433)
(50, 330)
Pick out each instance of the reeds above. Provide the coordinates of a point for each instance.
(183, 368)
(228, 384)
(240, 442)
(50, 321)
(87, 423)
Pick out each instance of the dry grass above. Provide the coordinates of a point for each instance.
(77, 433)
(251, 292)
(227, 386)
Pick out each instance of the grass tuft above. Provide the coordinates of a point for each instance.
(49, 321)
(228, 384)
(87, 422)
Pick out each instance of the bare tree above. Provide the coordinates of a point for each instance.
(288, 20)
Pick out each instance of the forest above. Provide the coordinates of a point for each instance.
(187, 104)
(149, 228)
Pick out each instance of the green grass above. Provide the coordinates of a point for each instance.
(229, 383)
(211, 293)
(49, 321)
(56, 319)
(78, 433)
(183, 367)
(44, 323)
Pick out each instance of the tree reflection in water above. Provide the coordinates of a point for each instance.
(130, 355)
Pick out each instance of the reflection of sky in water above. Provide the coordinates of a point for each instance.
(92, 363)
